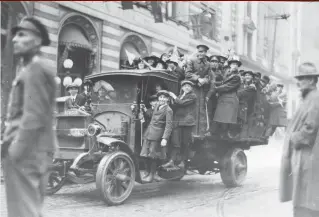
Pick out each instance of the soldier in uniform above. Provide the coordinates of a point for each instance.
(29, 140)
(299, 177)
(198, 71)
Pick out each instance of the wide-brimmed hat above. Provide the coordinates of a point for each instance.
(162, 62)
(214, 58)
(187, 82)
(203, 46)
(163, 92)
(310, 72)
(235, 59)
(34, 25)
(248, 72)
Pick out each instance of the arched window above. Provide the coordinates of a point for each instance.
(132, 47)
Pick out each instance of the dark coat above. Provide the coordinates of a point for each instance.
(246, 96)
(228, 103)
(184, 110)
(196, 69)
(79, 101)
(299, 177)
(31, 106)
(161, 124)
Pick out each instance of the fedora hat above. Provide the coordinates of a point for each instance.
(307, 70)
(34, 25)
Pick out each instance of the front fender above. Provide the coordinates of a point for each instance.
(123, 147)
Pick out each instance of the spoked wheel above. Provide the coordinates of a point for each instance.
(115, 177)
(56, 179)
(234, 167)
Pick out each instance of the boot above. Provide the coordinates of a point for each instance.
(150, 177)
(157, 178)
(168, 164)
(147, 169)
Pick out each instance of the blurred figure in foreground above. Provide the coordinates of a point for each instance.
(29, 139)
(299, 177)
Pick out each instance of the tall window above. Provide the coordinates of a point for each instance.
(208, 25)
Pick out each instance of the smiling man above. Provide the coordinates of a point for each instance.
(29, 140)
(299, 177)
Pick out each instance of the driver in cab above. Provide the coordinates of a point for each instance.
(76, 100)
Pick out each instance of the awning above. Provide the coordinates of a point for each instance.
(73, 35)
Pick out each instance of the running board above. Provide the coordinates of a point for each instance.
(80, 180)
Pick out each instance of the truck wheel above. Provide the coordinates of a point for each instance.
(56, 178)
(233, 168)
(115, 177)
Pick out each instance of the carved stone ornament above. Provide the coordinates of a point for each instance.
(249, 25)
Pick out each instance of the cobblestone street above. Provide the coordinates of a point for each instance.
(194, 195)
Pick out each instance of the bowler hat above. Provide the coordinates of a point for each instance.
(187, 82)
(163, 92)
(203, 46)
(34, 25)
(213, 58)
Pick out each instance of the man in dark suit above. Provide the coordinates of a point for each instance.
(29, 139)
(198, 71)
(76, 100)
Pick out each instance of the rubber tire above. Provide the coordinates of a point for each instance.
(227, 172)
(103, 165)
(56, 189)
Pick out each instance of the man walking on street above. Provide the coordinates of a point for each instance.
(299, 176)
(29, 140)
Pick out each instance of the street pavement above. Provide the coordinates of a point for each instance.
(194, 195)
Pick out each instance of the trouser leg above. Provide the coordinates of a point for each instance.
(25, 183)
(186, 134)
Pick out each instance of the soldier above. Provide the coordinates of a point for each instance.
(29, 139)
(299, 177)
(198, 71)
(227, 104)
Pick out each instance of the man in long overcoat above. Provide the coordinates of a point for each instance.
(198, 71)
(29, 139)
(299, 176)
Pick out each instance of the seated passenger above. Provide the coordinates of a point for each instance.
(139, 63)
(87, 94)
(152, 60)
(157, 134)
(174, 68)
(76, 100)
(105, 93)
(247, 96)
(184, 121)
(227, 104)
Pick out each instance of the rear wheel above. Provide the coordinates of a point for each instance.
(233, 169)
(115, 177)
